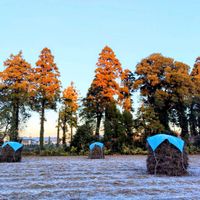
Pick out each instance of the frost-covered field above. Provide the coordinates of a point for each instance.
(116, 177)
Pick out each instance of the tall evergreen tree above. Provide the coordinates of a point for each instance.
(105, 86)
(166, 86)
(47, 87)
(126, 91)
(68, 113)
(15, 91)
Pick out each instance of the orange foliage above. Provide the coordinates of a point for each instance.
(164, 77)
(46, 76)
(108, 71)
(196, 70)
(195, 75)
(70, 98)
(126, 89)
(17, 75)
(127, 105)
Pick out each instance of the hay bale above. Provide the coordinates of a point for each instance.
(96, 153)
(167, 160)
(11, 152)
(9, 155)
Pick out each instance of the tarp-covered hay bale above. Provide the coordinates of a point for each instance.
(96, 150)
(11, 152)
(166, 155)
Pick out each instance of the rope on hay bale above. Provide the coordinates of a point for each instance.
(11, 152)
(167, 158)
(96, 151)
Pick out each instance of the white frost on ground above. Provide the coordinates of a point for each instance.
(116, 177)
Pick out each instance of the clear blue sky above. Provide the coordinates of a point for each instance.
(77, 30)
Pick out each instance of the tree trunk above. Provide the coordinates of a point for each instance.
(198, 125)
(58, 131)
(183, 122)
(64, 136)
(184, 132)
(193, 121)
(15, 124)
(71, 127)
(42, 119)
(98, 126)
(64, 131)
(164, 119)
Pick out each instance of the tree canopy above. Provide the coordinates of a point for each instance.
(47, 86)
(15, 91)
(169, 97)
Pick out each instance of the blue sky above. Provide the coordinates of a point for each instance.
(77, 30)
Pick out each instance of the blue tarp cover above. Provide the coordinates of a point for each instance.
(96, 143)
(156, 140)
(14, 145)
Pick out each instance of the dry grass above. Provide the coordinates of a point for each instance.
(96, 153)
(167, 160)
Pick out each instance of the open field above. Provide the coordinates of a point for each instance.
(116, 177)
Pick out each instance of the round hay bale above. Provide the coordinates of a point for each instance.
(167, 160)
(8, 154)
(96, 153)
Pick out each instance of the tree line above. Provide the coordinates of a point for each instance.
(169, 96)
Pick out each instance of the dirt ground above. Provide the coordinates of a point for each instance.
(115, 177)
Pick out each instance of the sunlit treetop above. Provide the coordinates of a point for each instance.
(17, 76)
(46, 75)
(70, 97)
(126, 89)
(107, 72)
(151, 71)
(196, 69)
(163, 77)
(156, 70)
(195, 75)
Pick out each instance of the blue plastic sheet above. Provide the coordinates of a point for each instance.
(96, 143)
(14, 145)
(156, 140)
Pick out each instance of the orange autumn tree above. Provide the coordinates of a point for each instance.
(68, 111)
(47, 87)
(166, 86)
(15, 88)
(105, 87)
(180, 87)
(151, 81)
(126, 91)
(127, 81)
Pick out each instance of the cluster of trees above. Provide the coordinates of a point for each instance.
(169, 93)
(169, 90)
(24, 88)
